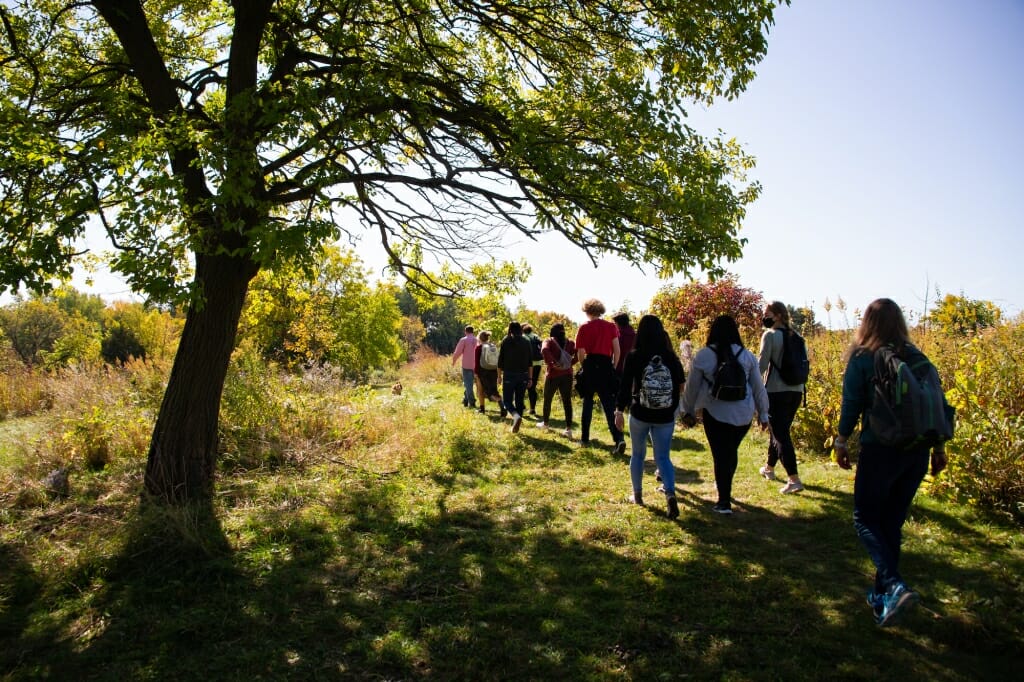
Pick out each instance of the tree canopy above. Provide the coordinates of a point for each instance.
(211, 139)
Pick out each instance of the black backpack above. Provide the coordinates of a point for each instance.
(730, 381)
(795, 367)
(908, 409)
(535, 345)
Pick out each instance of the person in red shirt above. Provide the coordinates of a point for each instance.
(597, 348)
(558, 378)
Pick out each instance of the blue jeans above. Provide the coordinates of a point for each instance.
(469, 385)
(513, 388)
(886, 482)
(661, 436)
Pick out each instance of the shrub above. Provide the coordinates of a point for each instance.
(817, 421)
(985, 380)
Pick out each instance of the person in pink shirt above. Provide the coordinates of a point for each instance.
(466, 349)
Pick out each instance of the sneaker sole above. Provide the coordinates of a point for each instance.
(727, 512)
(906, 600)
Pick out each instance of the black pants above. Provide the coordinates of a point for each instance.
(782, 406)
(600, 379)
(724, 440)
(531, 392)
(563, 386)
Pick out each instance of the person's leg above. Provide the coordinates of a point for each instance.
(534, 377)
(638, 431)
(481, 396)
(508, 392)
(586, 416)
(661, 437)
(608, 403)
(871, 488)
(724, 440)
(606, 393)
(565, 389)
(896, 506)
(773, 444)
(468, 399)
(549, 393)
(783, 411)
(521, 393)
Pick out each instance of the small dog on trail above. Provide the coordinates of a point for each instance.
(397, 388)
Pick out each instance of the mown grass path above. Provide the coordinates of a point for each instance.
(427, 542)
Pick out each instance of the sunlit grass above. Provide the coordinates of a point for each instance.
(406, 537)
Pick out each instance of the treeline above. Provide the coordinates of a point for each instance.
(332, 323)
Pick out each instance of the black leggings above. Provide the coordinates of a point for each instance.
(724, 440)
(782, 406)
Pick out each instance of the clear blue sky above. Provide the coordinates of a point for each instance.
(889, 144)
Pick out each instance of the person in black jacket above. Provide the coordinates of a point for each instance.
(652, 376)
(515, 360)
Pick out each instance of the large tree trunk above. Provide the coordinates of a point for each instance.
(183, 451)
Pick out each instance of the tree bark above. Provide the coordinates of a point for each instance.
(183, 450)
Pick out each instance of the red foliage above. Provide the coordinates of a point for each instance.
(694, 305)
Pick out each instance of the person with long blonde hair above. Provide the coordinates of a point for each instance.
(887, 477)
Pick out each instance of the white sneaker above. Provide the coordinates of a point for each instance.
(567, 433)
(516, 423)
(767, 472)
(791, 487)
(542, 426)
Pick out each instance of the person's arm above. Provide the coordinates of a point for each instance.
(615, 351)
(764, 356)
(692, 387)
(581, 351)
(625, 395)
(625, 391)
(852, 406)
(459, 347)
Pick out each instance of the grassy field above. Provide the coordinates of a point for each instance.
(426, 541)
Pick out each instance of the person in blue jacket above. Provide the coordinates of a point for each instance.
(887, 478)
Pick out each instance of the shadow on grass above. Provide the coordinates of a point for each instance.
(354, 587)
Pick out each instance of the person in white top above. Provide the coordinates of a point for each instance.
(726, 407)
(783, 399)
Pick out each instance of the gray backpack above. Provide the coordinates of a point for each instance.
(656, 390)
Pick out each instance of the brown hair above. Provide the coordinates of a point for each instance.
(882, 324)
(485, 336)
(594, 307)
(779, 311)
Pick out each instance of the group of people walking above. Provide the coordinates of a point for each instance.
(726, 389)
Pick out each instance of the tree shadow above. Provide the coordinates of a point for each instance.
(19, 588)
(352, 585)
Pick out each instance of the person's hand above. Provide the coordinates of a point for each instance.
(620, 420)
(842, 453)
(765, 426)
(689, 420)
(938, 461)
